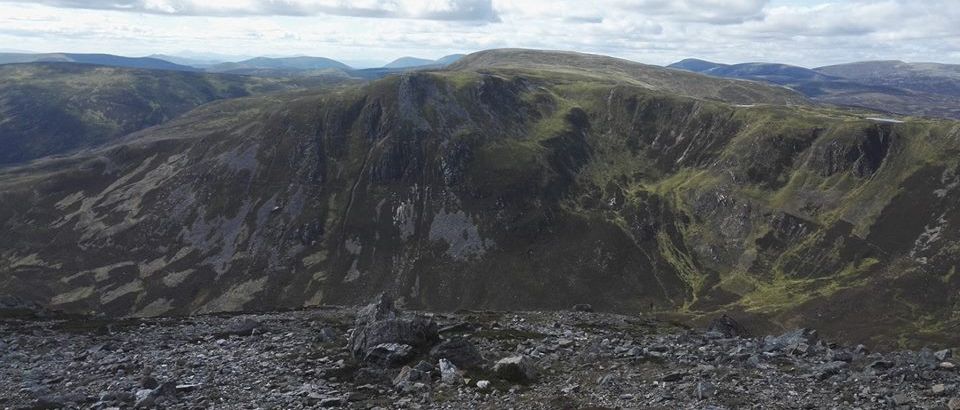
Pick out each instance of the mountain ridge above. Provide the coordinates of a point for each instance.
(510, 180)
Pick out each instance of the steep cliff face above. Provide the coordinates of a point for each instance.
(501, 189)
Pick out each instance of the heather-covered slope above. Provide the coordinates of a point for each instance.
(505, 187)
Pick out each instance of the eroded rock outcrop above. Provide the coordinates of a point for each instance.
(384, 337)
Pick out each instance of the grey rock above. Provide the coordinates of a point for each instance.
(608, 379)
(901, 400)
(145, 398)
(371, 376)
(674, 377)
(379, 324)
(411, 380)
(49, 402)
(938, 389)
(187, 388)
(389, 354)
(943, 355)
(123, 397)
(831, 369)
(459, 351)
(328, 335)
(583, 307)
(704, 390)
(424, 366)
(881, 365)
(449, 374)
(331, 402)
(148, 382)
(243, 327)
(16, 307)
(927, 359)
(381, 309)
(727, 327)
(790, 340)
(842, 356)
(516, 369)
(410, 374)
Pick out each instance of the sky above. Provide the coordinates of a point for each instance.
(808, 33)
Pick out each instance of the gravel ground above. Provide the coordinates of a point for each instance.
(568, 360)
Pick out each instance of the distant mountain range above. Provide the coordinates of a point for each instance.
(96, 59)
(260, 66)
(287, 64)
(925, 89)
(193, 62)
(411, 62)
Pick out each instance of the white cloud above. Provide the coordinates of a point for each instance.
(803, 32)
(456, 10)
(707, 11)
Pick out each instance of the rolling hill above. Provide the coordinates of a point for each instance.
(95, 59)
(274, 66)
(932, 78)
(408, 62)
(514, 179)
(614, 70)
(55, 108)
(414, 62)
(892, 87)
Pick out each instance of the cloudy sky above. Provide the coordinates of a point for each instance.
(802, 32)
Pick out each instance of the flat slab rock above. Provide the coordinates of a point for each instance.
(581, 360)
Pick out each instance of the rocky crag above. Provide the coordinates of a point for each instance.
(513, 180)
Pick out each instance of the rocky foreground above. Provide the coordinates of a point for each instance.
(380, 357)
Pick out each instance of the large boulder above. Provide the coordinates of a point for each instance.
(459, 351)
(516, 369)
(379, 324)
(389, 355)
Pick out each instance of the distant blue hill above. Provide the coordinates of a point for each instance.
(414, 62)
(96, 59)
